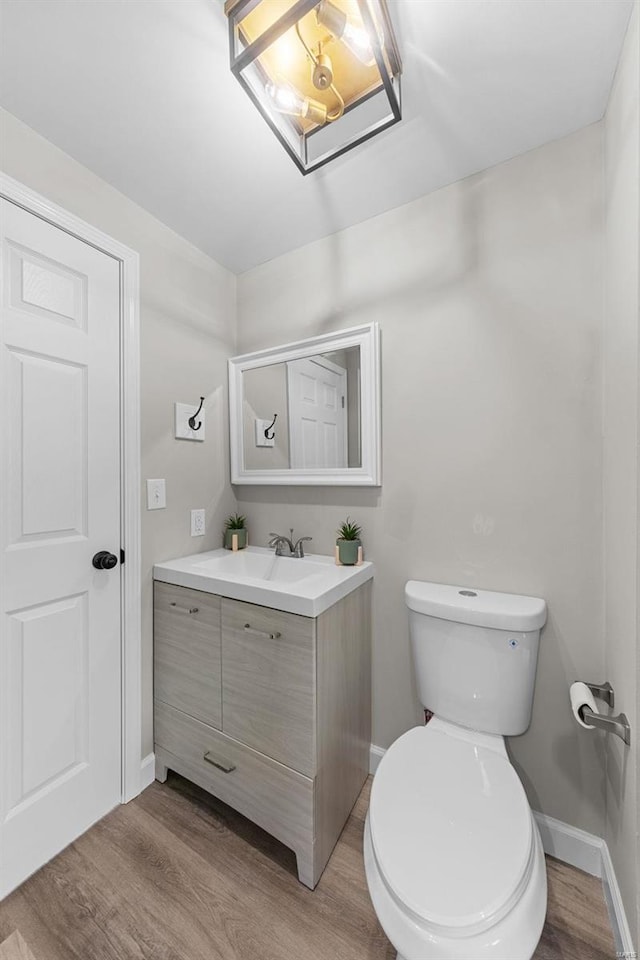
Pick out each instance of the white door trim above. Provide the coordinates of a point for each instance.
(131, 696)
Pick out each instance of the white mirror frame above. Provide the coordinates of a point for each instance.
(367, 338)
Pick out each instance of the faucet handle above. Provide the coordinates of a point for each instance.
(298, 550)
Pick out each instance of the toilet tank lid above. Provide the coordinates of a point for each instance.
(481, 608)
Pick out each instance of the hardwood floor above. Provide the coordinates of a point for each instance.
(176, 875)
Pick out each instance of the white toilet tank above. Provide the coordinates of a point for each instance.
(475, 654)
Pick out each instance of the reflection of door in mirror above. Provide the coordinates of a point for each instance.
(317, 391)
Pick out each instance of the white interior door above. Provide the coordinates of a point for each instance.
(317, 393)
(60, 706)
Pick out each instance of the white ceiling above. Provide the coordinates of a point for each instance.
(140, 92)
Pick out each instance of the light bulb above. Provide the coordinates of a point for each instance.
(287, 99)
(354, 37)
(357, 40)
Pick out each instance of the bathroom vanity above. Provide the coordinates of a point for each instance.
(263, 689)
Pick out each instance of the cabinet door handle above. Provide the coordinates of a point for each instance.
(180, 609)
(225, 765)
(261, 633)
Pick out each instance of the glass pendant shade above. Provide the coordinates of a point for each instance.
(325, 74)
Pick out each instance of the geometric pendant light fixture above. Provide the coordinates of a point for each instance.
(325, 74)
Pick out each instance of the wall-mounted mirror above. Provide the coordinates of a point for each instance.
(308, 412)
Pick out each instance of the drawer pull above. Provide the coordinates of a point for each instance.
(180, 609)
(261, 633)
(225, 765)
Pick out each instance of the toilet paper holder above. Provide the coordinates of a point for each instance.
(603, 691)
(619, 725)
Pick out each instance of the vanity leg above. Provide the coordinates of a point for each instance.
(161, 771)
(306, 872)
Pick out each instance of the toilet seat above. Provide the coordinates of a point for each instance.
(451, 829)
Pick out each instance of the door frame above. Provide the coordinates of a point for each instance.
(130, 597)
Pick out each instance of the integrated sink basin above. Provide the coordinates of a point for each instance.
(253, 566)
(306, 586)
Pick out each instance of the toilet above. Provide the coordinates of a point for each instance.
(453, 857)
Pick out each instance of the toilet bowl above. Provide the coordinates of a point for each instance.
(453, 857)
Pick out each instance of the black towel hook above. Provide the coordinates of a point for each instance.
(271, 435)
(192, 420)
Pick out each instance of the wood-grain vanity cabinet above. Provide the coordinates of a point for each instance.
(269, 711)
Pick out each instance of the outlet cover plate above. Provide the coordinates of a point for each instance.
(182, 429)
(198, 524)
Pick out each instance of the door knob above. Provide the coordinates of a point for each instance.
(103, 560)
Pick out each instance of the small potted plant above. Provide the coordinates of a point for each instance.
(348, 542)
(235, 527)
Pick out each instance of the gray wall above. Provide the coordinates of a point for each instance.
(265, 393)
(489, 295)
(621, 474)
(187, 332)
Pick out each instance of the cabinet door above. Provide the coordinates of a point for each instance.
(187, 672)
(268, 662)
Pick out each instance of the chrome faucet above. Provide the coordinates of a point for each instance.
(278, 541)
(295, 550)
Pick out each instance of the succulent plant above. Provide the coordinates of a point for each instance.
(348, 530)
(235, 522)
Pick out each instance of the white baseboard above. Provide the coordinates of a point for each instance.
(617, 915)
(579, 849)
(375, 756)
(571, 845)
(591, 854)
(147, 771)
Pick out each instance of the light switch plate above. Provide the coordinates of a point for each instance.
(261, 440)
(198, 523)
(156, 495)
(182, 429)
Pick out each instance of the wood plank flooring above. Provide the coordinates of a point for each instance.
(177, 875)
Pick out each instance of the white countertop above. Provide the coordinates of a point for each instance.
(306, 586)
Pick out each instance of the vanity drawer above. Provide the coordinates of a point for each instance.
(187, 651)
(268, 659)
(276, 798)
